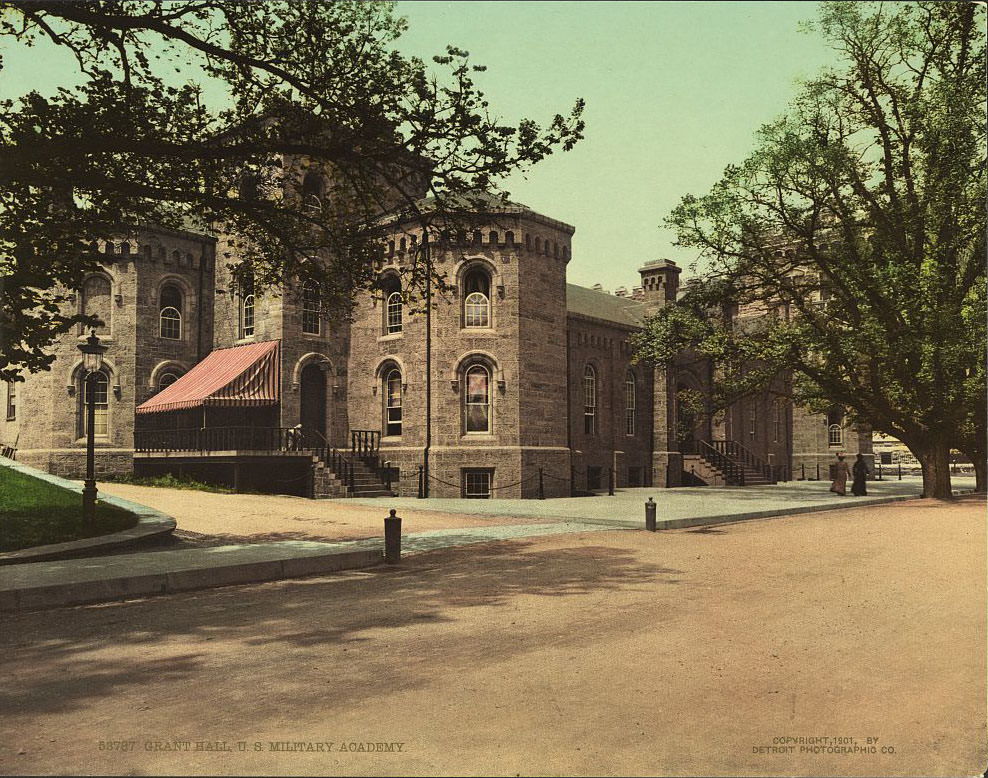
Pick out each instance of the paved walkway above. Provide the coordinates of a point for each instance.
(126, 576)
(698, 505)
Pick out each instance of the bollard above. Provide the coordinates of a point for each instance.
(879, 469)
(610, 481)
(817, 471)
(802, 471)
(650, 515)
(541, 486)
(392, 538)
(900, 470)
(421, 489)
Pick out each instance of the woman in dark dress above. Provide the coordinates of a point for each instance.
(860, 472)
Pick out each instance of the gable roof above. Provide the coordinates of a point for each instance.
(606, 307)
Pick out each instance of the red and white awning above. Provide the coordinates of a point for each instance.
(242, 376)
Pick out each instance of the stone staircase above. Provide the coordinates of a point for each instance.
(723, 463)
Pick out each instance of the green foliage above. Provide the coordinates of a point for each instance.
(35, 513)
(169, 481)
(138, 142)
(851, 243)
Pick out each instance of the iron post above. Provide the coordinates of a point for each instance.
(650, 515)
(392, 538)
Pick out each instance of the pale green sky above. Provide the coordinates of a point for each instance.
(675, 91)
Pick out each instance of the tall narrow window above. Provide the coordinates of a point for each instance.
(11, 400)
(312, 192)
(393, 304)
(96, 301)
(247, 304)
(589, 400)
(629, 388)
(170, 312)
(97, 391)
(835, 427)
(478, 401)
(310, 308)
(392, 404)
(477, 299)
(752, 418)
(777, 421)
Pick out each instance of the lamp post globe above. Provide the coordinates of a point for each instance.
(92, 362)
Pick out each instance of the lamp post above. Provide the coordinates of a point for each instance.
(92, 361)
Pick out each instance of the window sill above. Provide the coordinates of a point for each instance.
(389, 337)
(479, 330)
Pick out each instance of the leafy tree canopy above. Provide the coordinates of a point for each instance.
(137, 143)
(847, 252)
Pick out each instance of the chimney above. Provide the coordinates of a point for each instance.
(597, 288)
(621, 291)
(660, 282)
(637, 293)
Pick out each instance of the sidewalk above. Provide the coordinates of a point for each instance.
(675, 508)
(126, 576)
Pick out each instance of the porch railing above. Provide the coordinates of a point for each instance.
(221, 439)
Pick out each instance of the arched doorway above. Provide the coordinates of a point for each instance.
(312, 414)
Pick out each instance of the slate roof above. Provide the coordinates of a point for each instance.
(606, 307)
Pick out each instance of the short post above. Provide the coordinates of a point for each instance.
(610, 481)
(817, 471)
(879, 468)
(541, 486)
(802, 471)
(668, 473)
(650, 515)
(421, 485)
(692, 475)
(387, 476)
(392, 538)
(900, 469)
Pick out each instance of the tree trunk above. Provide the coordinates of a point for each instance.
(934, 457)
(977, 457)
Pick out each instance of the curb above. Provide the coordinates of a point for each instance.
(730, 518)
(182, 580)
(151, 524)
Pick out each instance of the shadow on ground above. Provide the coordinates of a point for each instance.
(67, 659)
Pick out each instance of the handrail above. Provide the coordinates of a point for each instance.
(732, 470)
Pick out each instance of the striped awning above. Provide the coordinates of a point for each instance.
(242, 376)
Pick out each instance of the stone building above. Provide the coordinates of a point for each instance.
(513, 384)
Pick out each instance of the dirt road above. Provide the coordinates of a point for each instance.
(678, 653)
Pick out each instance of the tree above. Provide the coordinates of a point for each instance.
(851, 242)
(140, 142)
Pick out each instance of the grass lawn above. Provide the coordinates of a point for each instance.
(171, 482)
(34, 513)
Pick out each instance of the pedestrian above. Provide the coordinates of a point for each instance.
(839, 486)
(860, 471)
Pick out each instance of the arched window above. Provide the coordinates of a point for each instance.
(477, 299)
(170, 312)
(631, 401)
(98, 391)
(312, 191)
(246, 292)
(248, 187)
(167, 379)
(589, 400)
(492, 238)
(96, 301)
(835, 427)
(393, 304)
(509, 238)
(310, 308)
(477, 399)
(392, 403)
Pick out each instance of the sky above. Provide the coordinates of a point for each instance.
(675, 91)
